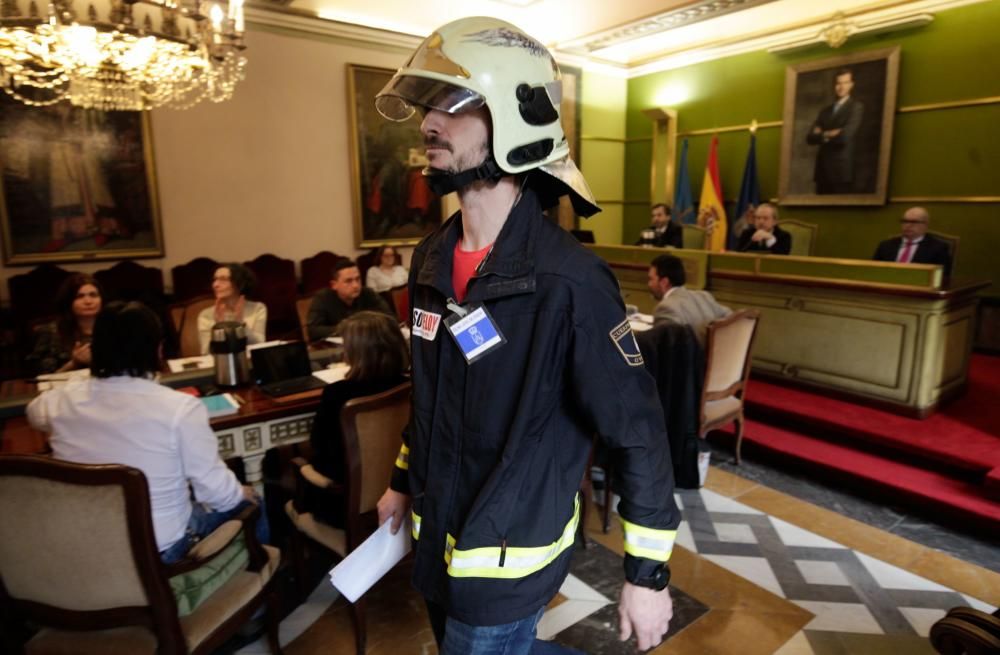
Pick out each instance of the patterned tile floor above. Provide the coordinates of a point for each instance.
(755, 571)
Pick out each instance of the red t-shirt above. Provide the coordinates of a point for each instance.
(464, 267)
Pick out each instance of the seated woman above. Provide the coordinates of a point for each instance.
(379, 359)
(386, 273)
(230, 285)
(64, 344)
(122, 415)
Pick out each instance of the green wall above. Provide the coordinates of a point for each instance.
(944, 152)
(602, 151)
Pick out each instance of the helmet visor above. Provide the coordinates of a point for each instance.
(401, 97)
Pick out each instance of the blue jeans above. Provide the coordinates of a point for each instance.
(203, 523)
(517, 638)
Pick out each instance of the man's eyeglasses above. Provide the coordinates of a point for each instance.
(910, 221)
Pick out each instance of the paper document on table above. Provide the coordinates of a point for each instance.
(335, 373)
(640, 322)
(55, 380)
(371, 560)
(265, 344)
(190, 363)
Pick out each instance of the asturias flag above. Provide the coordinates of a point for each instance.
(749, 194)
(683, 211)
(711, 199)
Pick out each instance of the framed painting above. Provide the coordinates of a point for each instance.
(78, 184)
(837, 129)
(392, 202)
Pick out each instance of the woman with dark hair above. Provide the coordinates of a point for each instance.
(231, 284)
(64, 344)
(379, 359)
(386, 273)
(123, 415)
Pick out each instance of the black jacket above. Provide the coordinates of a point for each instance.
(672, 236)
(327, 310)
(496, 450)
(782, 244)
(929, 251)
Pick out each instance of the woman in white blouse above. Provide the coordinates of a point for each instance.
(230, 285)
(386, 274)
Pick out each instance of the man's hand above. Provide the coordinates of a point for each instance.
(81, 354)
(761, 235)
(393, 505)
(250, 494)
(645, 612)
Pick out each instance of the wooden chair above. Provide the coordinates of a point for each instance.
(316, 271)
(803, 236)
(78, 558)
(185, 318)
(302, 309)
(193, 279)
(727, 368)
(401, 303)
(33, 294)
(277, 288)
(128, 280)
(952, 240)
(371, 427)
(694, 236)
(966, 631)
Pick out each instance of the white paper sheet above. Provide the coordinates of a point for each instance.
(55, 380)
(189, 363)
(335, 373)
(640, 322)
(371, 560)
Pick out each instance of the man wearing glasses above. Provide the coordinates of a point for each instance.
(914, 245)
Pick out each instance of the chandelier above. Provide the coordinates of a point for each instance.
(121, 54)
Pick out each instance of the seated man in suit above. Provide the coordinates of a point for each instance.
(914, 245)
(345, 296)
(663, 231)
(765, 235)
(679, 304)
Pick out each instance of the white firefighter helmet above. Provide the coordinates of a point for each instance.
(472, 62)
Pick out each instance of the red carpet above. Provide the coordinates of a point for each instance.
(947, 462)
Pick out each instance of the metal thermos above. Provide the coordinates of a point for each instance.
(229, 350)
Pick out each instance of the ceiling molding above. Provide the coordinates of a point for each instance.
(299, 20)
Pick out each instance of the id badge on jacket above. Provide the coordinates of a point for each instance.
(474, 331)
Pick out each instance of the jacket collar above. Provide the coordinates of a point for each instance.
(510, 267)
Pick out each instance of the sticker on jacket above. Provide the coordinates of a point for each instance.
(624, 340)
(425, 324)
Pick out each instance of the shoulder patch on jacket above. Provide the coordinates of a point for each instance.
(425, 324)
(623, 338)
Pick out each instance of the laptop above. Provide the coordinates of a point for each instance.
(284, 370)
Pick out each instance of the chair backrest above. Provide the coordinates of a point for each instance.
(316, 271)
(33, 294)
(727, 354)
(77, 548)
(302, 309)
(952, 240)
(193, 279)
(372, 427)
(694, 236)
(803, 235)
(401, 303)
(128, 280)
(188, 343)
(277, 288)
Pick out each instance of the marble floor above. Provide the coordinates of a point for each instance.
(756, 570)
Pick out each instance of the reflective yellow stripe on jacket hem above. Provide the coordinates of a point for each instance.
(415, 524)
(648, 542)
(510, 562)
(403, 458)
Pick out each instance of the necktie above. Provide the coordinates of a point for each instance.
(907, 253)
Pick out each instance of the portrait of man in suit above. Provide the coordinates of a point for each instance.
(834, 132)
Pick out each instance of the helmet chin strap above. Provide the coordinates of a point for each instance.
(442, 182)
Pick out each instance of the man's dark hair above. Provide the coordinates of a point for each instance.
(671, 268)
(340, 265)
(666, 208)
(243, 279)
(843, 71)
(126, 341)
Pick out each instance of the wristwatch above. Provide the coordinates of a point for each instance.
(658, 580)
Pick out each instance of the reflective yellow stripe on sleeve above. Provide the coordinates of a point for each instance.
(509, 562)
(403, 458)
(648, 542)
(415, 524)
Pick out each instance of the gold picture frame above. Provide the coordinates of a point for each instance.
(835, 148)
(78, 185)
(392, 203)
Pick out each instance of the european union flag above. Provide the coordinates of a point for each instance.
(749, 195)
(683, 211)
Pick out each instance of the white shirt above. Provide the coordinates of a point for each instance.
(380, 281)
(254, 317)
(913, 249)
(140, 423)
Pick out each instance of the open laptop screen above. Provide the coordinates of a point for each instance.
(282, 362)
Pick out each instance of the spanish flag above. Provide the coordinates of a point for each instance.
(711, 199)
